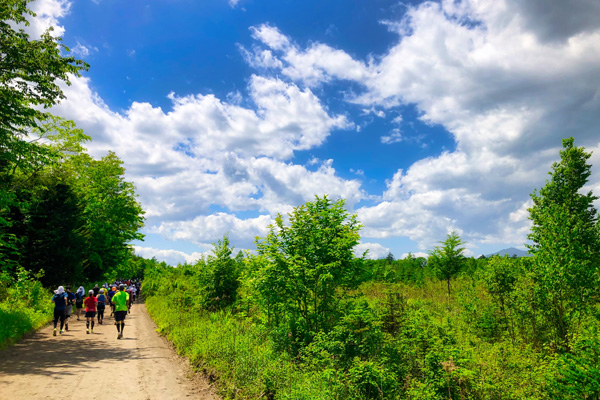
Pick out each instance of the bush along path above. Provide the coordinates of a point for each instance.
(142, 366)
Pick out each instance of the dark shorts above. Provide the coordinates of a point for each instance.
(101, 307)
(120, 315)
(59, 314)
(90, 314)
(79, 305)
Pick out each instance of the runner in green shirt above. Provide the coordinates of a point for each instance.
(121, 302)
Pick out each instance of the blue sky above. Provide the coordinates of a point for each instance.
(426, 117)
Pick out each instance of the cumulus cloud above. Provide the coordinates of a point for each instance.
(416, 254)
(374, 250)
(313, 66)
(48, 12)
(171, 257)
(206, 152)
(507, 78)
(203, 229)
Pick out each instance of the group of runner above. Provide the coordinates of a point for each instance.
(119, 296)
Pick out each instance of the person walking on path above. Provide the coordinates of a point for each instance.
(79, 296)
(133, 292)
(96, 290)
(90, 310)
(111, 293)
(129, 291)
(60, 305)
(101, 306)
(69, 309)
(121, 302)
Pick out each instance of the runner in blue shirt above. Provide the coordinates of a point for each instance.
(101, 305)
(60, 305)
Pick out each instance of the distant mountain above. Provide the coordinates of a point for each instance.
(510, 251)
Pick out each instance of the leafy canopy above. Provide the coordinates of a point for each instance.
(566, 240)
(448, 258)
(30, 70)
(302, 265)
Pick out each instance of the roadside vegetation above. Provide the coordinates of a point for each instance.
(65, 217)
(304, 318)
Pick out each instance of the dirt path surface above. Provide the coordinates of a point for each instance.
(142, 366)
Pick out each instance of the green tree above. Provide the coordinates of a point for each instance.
(301, 267)
(448, 258)
(500, 279)
(53, 241)
(30, 72)
(566, 241)
(390, 258)
(222, 277)
(33, 173)
(112, 214)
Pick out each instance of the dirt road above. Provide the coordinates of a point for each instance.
(142, 366)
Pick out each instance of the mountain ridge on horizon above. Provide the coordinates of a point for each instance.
(510, 251)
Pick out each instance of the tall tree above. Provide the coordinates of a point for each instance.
(30, 73)
(222, 276)
(31, 176)
(53, 239)
(112, 214)
(448, 258)
(566, 240)
(389, 258)
(301, 267)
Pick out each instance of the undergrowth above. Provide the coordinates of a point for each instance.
(24, 306)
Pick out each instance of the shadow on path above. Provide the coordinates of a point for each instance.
(41, 356)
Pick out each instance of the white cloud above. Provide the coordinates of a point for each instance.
(171, 257)
(375, 250)
(48, 12)
(270, 36)
(83, 51)
(209, 152)
(395, 136)
(313, 66)
(500, 78)
(416, 254)
(209, 228)
(506, 81)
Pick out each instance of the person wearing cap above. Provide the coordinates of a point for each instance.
(79, 296)
(121, 302)
(90, 310)
(60, 305)
(69, 309)
(101, 305)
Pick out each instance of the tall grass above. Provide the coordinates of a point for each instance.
(24, 306)
(236, 353)
(391, 340)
